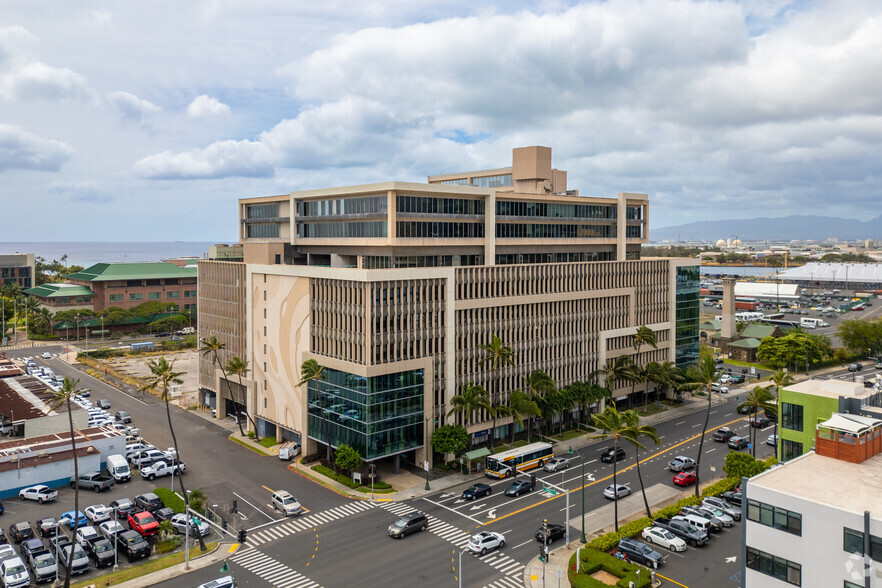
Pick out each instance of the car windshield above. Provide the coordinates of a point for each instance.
(44, 561)
(147, 520)
(102, 547)
(472, 489)
(17, 569)
(288, 500)
(400, 523)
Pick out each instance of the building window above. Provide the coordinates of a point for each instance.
(687, 315)
(154, 295)
(774, 566)
(136, 296)
(791, 416)
(853, 542)
(851, 585)
(775, 517)
(790, 449)
(260, 211)
(263, 231)
(264, 400)
(154, 282)
(264, 313)
(172, 294)
(133, 283)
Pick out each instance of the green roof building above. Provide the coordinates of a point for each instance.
(60, 296)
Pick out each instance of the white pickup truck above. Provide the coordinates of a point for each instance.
(161, 468)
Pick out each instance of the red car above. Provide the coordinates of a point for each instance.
(684, 479)
(144, 523)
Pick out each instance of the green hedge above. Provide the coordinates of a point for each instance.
(723, 485)
(593, 560)
(345, 480)
(170, 499)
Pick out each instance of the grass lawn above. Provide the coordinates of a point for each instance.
(651, 409)
(268, 442)
(567, 435)
(243, 444)
(145, 568)
(759, 366)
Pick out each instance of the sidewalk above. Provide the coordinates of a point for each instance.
(216, 557)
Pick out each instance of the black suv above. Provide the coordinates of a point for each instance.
(608, 454)
(101, 550)
(724, 434)
(123, 506)
(148, 501)
(132, 544)
(641, 553)
(407, 524)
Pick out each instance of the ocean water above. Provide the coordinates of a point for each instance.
(86, 253)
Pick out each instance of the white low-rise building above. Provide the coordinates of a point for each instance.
(816, 521)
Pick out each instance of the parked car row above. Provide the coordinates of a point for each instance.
(692, 526)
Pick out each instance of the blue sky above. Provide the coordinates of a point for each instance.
(147, 120)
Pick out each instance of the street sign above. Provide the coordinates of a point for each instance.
(426, 466)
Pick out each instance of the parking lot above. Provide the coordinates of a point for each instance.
(716, 564)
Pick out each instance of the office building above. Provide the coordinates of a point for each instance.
(18, 268)
(392, 288)
(805, 404)
(817, 520)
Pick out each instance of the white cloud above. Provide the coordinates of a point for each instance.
(20, 149)
(207, 106)
(131, 108)
(24, 78)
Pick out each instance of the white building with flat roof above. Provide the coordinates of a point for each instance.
(817, 520)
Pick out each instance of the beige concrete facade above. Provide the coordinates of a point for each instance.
(380, 280)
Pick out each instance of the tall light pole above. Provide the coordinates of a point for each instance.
(460, 566)
(426, 435)
(583, 539)
(115, 543)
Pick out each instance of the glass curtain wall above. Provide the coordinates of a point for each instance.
(376, 416)
(687, 313)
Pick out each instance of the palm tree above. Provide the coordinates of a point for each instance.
(65, 393)
(237, 366)
(613, 423)
(644, 336)
(780, 379)
(498, 356)
(614, 371)
(636, 374)
(520, 405)
(701, 375)
(633, 433)
(212, 346)
(312, 371)
(537, 384)
(162, 376)
(666, 374)
(471, 401)
(551, 403)
(759, 397)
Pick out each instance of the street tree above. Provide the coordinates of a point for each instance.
(236, 366)
(162, 376)
(499, 356)
(450, 439)
(471, 401)
(312, 371)
(758, 398)
(613, 424)
(348, 458)
(66, 392)
(701, 377)
(633, 433)
(521, 405)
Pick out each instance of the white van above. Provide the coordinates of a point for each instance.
(696, 521)
(187, 331)
(812, 323)
(118, 468)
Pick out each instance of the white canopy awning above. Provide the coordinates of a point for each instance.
(850, 423)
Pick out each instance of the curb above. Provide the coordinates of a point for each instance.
(204, 560)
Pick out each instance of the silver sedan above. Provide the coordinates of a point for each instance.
(179, 522)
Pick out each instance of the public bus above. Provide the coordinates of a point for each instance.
(508, 463)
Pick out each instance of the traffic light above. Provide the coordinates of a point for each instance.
(243, 535)
(542, 553)
(235, 506)
(372, 469)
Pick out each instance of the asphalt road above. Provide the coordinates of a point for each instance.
(308, 551)
(224, 469)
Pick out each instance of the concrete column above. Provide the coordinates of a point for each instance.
(621, 227)
(729, 330)
(490, 229)
(396, 464)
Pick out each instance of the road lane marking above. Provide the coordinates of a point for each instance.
(609, 477)
(453, 510)
(669, 580)
(265, 488)
(522, 544)
(680, 423)
(709, 450)
(696, 425)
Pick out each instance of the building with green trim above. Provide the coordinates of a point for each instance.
(127, 285)
(806, 404)
(62, 296)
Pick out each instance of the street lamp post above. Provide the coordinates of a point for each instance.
(583, 539)
(115, 542)
(460, 566)
(426, 435)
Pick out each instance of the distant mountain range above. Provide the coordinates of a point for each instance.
(785, 228)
